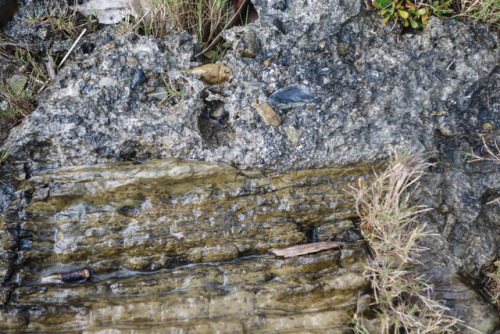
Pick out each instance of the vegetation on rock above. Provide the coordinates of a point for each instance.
(416, 13)
(390, 226)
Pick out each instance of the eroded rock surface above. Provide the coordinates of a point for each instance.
(374, 89)
(170, 241)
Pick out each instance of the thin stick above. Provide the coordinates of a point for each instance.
(448, 68)
(72, 47)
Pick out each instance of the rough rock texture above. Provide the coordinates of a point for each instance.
(183, 245)
(374, 89)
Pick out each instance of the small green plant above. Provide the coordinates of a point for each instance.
(171, 90)
(67, 22)
(4, 154)
(390, 226)
(217, 52)
(19, 102)
(409, 13)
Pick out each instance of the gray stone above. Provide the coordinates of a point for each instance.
(291, 97)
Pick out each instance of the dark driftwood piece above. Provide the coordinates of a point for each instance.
(68, 277)
(305, 249)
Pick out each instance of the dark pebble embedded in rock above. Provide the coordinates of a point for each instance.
(105, 40)
(290, 97)
(279, 25)
(280, 4)
(483, 114)
(88, 48)
(78, 276)
(139, 77)
(129, 211)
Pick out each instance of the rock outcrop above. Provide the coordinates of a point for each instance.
(358, 90)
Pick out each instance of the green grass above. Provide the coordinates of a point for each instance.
(390, 226)
(4, 154)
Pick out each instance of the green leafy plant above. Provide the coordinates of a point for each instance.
(409, 13)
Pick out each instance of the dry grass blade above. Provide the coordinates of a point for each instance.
(491, 156)
(391, 229)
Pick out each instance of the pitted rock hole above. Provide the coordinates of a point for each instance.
(213, 124)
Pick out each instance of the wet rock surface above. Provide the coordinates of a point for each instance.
(371, 89)
(170, 241)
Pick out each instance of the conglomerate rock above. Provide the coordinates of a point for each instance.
(370, 89)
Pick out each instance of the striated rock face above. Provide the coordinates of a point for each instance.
(171, 241)
(361, 89)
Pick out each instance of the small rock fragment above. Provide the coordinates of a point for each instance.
(279, 25)
(17, 82)
(293, 134)
(248, 46)
(68, 277)
(143, 9)
(107, 12)
(132, 61)
(280, 4)
(139, 77)
(269, 116)
(305, 249)
(107, 82)
(129, 211)
(488, 126)
(290, 97)
(212, 73)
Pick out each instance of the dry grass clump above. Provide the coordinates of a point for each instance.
(391, 229)
(485, 11)
(492, 283)
(203, 18)
(490, 154)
